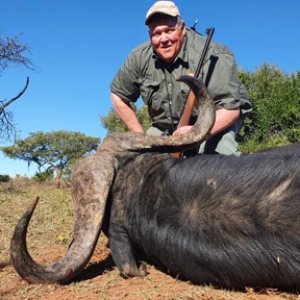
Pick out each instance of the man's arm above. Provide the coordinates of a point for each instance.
(224, 119)
(126, 114)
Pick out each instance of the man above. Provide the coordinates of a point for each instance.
(151, 71)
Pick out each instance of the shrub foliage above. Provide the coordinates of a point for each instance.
(275, 119)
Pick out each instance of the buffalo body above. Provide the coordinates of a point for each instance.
(227, 221)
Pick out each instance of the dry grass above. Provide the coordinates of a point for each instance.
(48, 236)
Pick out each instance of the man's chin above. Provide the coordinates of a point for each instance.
(166, 55)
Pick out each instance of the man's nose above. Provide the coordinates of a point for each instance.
(164, 37)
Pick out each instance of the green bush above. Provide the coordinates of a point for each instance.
(4, 178)
(43, 176)
(275, 119)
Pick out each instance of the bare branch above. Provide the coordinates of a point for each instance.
(7, 103)
(13, 52)
(7, 128)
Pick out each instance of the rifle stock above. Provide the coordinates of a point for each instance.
(188, 109)
(186, 116)
(191, 99)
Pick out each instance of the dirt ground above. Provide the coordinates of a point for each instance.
(101, 280)
(48, 237)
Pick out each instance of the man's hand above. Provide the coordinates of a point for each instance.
(224, 119)
(182, 130)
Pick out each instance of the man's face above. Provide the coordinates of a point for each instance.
(166, 37)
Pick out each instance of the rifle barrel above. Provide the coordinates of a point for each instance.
(210, 32)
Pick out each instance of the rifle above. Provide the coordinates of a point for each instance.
(191, 99)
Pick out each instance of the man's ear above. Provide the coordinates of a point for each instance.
(184, 29)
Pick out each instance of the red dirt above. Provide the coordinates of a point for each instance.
(101, 280)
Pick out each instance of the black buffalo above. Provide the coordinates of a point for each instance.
(211, 219)
(228, 221)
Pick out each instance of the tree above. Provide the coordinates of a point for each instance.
(12, 52)
(275, 119)
(7, 127)
(55, 151)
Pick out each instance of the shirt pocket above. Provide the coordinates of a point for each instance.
(149, 89)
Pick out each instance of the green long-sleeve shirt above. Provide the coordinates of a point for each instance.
(144, 75)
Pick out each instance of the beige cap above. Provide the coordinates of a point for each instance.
(162, 7)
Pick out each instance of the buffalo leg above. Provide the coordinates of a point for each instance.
(123, 252)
